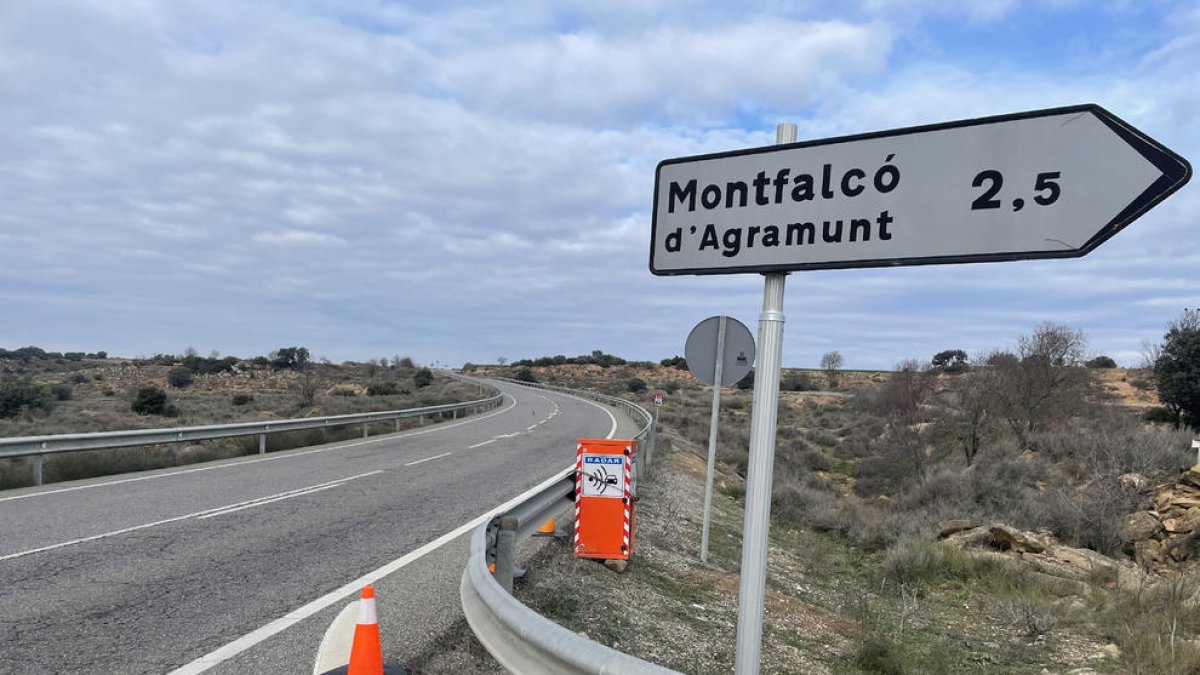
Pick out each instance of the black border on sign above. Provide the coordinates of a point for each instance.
(1176, 171)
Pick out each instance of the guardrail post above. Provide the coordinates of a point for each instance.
(37, 469)
(506, 549)
(650, 442)
(454, 414)
(175, 450)
(262, 444)
(366, 428)
(397, 425)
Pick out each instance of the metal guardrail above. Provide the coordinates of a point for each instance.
(520, 639)
(39, 446)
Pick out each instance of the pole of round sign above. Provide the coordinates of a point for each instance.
(712, 438)
(763, 418)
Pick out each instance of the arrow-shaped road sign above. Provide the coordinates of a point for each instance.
(1044, 184)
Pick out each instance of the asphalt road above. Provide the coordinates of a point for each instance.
(246, 560)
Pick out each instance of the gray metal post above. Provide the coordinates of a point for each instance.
(37, 469)
(653, 438)
(366, 428)
(262, 444)
(506, 550)
(1196, 445)
(397, 425)
(763, 418)
(454, 415)
(714, 423)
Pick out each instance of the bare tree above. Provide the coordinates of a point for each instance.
(1188, 320)
(502, 360)
(968, 415)
(1045, 381)
(1150, 353)
(309, 383)
(831, 363)
(905, 391)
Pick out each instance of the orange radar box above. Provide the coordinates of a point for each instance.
(605, 498)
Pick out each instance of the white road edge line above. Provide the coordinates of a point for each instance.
(199, 514)
(289, 455)
(281, 624)
(480, 445)
(429, 459)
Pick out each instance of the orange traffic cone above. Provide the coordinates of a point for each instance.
(366, 654)
(546, 530)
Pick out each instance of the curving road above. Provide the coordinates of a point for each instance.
(240, 565)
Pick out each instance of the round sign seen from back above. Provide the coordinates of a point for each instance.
(701, 351)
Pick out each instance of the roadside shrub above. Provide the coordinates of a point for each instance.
(798, 381)
(815, 460)
(383, 389)
(524, 375)
(1160, 415)
(150, 401)
(747, 382)
(23, 393)
(61, 392)
(347, 390)
(241, 399)
(180, 377)
(79, 379)
(926, 563)
(1115, 445)
(1101, 362)
(674, 362)
(422, 378)
(1091, 517)
(821, 437)
(880, 653)
(636, 385)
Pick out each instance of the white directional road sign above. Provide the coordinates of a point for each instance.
(1044, 184)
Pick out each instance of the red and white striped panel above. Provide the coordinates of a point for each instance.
(628, 496)
(578, 489)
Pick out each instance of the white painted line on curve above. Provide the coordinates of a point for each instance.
(480, 445)
(429, 459)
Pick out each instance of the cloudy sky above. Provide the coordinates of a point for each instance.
(471, 180)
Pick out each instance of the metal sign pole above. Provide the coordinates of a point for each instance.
(763, 419)
(652, 440)
(714, 422)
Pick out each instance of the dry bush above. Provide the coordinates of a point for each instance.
(894, 463)
(921, 563)
(1155, 626)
